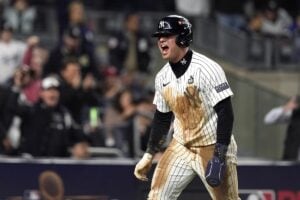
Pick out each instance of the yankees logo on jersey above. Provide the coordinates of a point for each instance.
(192, 97)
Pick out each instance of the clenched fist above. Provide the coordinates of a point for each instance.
(143, 167)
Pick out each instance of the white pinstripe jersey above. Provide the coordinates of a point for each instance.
(191, 98)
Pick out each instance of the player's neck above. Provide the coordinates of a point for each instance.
(186, 54)
(180, 55)
(182, 65)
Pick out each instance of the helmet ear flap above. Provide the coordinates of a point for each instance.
(184, 40)
(180, 41)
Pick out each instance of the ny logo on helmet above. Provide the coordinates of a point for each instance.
(164, 25)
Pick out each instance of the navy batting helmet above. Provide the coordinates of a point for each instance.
(175, 25)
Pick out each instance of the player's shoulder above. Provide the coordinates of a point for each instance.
(205, 64)
(203, 61)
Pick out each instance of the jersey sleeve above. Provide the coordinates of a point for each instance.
(216, 85)
(159, 101)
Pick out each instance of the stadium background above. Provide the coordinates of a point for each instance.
(258, 86)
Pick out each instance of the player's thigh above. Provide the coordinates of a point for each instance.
(228, 190)
(172, 174)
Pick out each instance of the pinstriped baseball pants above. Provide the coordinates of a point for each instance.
(179, 165)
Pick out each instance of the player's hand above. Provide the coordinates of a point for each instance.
(216, 167)
(143, 167)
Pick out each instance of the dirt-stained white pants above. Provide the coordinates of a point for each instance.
(179, 165)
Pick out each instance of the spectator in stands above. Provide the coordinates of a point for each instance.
(288, 113)
(34, 60)
(21, 16)
(31, 73)
(272, 21)
(71, 48)
(31, 85)
(12, 52)
(129, 49)
(76, 13)
(71, 13)
(47, 128)
(12, 121)
(273, 24)
(118, 122)
(31, 66)
(77, 93)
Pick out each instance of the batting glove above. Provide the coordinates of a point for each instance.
(216, 167)
(143, 167)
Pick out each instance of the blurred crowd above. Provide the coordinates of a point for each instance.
(58, 102)
(272, 23)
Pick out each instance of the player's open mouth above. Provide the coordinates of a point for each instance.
(164, 48)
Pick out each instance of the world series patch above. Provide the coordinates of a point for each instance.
(221, 87)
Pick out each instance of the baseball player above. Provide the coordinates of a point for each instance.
(193, 89)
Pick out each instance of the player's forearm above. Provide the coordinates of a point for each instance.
(216, 166)
(225, 121)
(160, 127)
